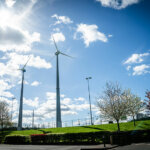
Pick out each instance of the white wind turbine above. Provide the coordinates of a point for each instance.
(21, 97)
(58, 108)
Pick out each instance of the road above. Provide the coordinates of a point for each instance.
(138, 146)
(46, 147)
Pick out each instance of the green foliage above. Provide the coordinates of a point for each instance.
(17, 139)
(140, 125)
(70, 138)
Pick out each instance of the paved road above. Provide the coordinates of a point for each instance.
(138, 146)
(141, 146)
(46, 147)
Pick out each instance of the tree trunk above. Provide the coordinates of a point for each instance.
(134, 121)
(118, 125)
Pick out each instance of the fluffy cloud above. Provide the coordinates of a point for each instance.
(35, 61)
(17, 39)
(79, 99)
(59, 37)
(136, 58)
(141, 69)
(117, 4)
(35, 83)
(32, 103)
(13, 35)
(90, 33)
(15, 60)
(10, 3)
(62, 19)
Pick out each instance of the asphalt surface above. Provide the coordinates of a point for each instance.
(138, 146)
(50, 147)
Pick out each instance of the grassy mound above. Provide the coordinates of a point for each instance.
(140, 125)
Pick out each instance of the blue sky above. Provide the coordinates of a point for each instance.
(109, 40)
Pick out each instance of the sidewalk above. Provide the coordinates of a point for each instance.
(98, 147)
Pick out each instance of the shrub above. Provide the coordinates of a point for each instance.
(1, 139)
(17, 139)
(38, 138)
(70, 138)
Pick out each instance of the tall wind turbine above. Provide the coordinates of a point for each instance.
(21, 97)
(58, 109)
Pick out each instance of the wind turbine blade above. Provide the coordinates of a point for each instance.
(55, 44)
(26, 63)
(66, 55)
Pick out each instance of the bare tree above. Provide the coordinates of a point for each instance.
(135, 105)
(112, 103)
(4, 115)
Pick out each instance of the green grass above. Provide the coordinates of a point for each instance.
(140, 125)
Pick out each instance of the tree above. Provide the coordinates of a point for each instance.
(148, 100)
(113, 103)
(4, 115)
(135, 105)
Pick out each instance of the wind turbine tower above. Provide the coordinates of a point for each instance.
(58, 108)
(21, 97)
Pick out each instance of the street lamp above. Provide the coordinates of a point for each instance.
(88, 78)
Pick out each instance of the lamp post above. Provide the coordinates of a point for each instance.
(88, 78)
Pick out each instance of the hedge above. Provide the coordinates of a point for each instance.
(70, 138)
(120, 138)
(17, 139)
(128, 137)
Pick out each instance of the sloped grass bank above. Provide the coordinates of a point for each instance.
(90, 133)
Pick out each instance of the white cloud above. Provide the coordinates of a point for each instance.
(15, 60)
(80, 99)
(25, 82)
(35, 83)
(59, 37)
(17, 39)
(110, 35)
(62, 19)
(136, 58)
(35, 61)
(141, 69)
(10, 3)
(117, 4)
(90, 33)
(128, 68)
(30, 102)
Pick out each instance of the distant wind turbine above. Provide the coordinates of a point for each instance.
(58, 109)
(21, 97)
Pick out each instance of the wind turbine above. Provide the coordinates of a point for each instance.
(58, 109)
(21, 97)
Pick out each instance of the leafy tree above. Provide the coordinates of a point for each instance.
(113, 103)
(4, 115)
(148, 99)
(135, 105)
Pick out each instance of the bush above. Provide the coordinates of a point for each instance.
(38, 138)
(1, 139)
(17, 139)
(70, 138)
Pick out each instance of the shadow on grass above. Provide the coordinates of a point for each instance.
(44, 132)
(90, 127)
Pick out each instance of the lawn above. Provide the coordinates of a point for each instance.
(140, 125)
